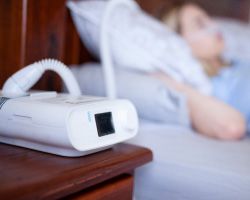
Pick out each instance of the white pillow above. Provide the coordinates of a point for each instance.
(152, 99)
(139, 41)
(237, 38)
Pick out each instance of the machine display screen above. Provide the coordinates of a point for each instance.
(104, 124)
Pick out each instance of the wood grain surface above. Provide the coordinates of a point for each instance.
(27, 174)
(119, 188)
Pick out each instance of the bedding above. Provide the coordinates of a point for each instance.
(186, 165)
(138, 41)
(152, 99)
(189, 166)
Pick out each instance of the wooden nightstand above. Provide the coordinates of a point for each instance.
(27, 174)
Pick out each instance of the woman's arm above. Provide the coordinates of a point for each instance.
(209, 116)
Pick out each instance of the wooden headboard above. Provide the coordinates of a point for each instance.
(34, 29)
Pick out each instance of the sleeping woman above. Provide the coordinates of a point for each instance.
(226, 114)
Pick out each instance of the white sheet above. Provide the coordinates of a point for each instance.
(189, 166)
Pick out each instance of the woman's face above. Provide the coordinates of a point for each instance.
(201, 33)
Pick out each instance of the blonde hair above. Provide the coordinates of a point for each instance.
(169, 14)
(171, 19)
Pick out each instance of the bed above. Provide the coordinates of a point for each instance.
(186, 165)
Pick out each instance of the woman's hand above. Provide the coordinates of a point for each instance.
(209, 116)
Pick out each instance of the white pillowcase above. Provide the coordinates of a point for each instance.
(139, 41)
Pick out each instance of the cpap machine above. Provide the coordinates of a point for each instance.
(65, 124)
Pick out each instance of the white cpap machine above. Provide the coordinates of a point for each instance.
(64, 124)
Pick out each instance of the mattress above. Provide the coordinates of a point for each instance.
(189, 166)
